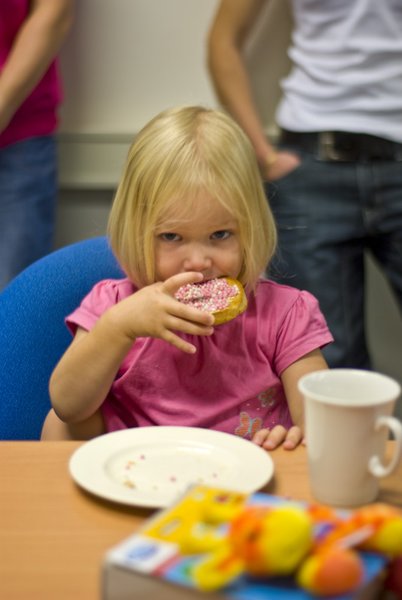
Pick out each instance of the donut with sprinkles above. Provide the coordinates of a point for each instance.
(223, 297)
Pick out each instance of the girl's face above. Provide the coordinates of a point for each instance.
(206, 240)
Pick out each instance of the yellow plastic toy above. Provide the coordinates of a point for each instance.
(271, 541)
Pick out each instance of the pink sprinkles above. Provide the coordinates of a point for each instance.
(209, 296)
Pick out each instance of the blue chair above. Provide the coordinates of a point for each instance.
(33, 335)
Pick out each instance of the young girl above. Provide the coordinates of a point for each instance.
(190, 207)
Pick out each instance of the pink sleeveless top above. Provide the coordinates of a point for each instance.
(37, 115)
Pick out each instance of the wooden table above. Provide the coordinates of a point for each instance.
(53, 536)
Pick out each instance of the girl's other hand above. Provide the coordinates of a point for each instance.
(269, 439)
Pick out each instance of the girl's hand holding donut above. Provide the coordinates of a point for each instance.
(153, 311)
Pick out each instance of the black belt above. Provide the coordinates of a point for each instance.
(341, 146)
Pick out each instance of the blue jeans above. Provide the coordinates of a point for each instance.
(328, 215)
(28, 194)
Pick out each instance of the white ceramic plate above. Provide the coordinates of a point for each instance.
(152, 466)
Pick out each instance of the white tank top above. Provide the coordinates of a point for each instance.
(347, 68)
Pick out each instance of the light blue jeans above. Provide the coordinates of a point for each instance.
(328, 215)
(28, 194)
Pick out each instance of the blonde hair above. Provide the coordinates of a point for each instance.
(179, 153)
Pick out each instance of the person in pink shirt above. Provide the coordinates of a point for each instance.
(190, 207)
(31, 34)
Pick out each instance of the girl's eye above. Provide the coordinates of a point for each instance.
(221, 235)
(169, 237)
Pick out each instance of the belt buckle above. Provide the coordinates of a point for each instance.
(326, 147)
(331, 147)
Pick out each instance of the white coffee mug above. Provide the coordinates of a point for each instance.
(347, 422)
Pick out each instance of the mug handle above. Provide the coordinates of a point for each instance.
(375, 467)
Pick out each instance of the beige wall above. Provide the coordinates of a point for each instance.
(125, 61)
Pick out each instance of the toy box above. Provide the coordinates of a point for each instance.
(161, 558)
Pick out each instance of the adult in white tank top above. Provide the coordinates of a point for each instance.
(334, 177)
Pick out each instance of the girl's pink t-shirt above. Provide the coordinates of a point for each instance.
(231, 384)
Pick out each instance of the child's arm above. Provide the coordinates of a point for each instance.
(83, 377)
(270, 439)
